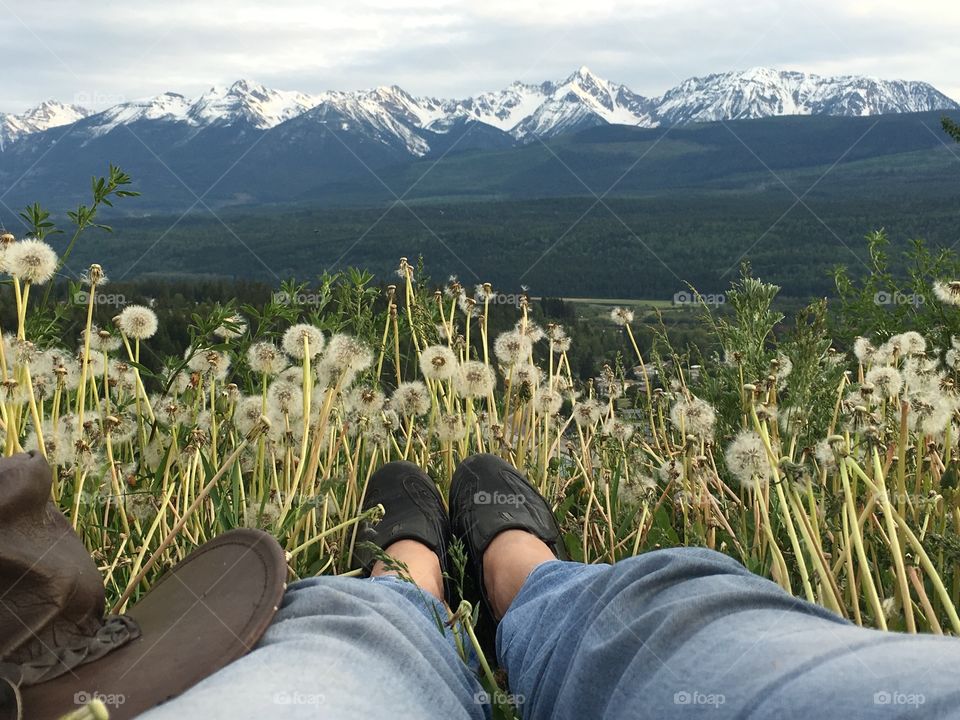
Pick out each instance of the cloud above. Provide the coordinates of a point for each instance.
(109, 51)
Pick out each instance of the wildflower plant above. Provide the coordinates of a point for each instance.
(831, 472)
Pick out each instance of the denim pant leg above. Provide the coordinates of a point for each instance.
(687, 633)
(343, 648)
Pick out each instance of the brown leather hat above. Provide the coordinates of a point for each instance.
(57, 650)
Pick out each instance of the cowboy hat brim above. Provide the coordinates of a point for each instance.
(206, 612)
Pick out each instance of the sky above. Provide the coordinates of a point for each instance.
(99, 54)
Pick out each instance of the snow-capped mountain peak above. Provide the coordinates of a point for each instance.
(252, 102)
(46, 115)
(390, 115)
(764, 92)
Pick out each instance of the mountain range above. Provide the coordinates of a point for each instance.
(278, 145)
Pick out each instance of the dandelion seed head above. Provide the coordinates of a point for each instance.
(411, 399)
(247, 414)
(864, 350)
(365, 401)
(922, 374)
(138, 322)
(450, 428)
(825, 455)
(298, 336)
(886, 380)
(232, 328)
(101, 341)
(693, 416)
(783, 366)
(286, 397)
(547, 401)
(621, 316)
(474, 379)
(587, 413)
(31, 260)
(559, 340)
(530, 330)
(947, 292)
(512, 348)
(747, 459)
(618, 429)
(141, 506)
(526, 377)
(909, 343)
(438, 362)
(348, 355)
(670, 469)
(263, 515)
(210, 364)
(468, 306)
(265, 358)
(483, 292)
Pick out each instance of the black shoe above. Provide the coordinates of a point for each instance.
(488, 496)
(413, 511)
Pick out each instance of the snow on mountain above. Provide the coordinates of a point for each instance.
(46, 115)
(550, 109)
(387, 117)
(393, 117)
(169, 107)
(584, 99)
(244, 100)
(765, 92)
(503, 110)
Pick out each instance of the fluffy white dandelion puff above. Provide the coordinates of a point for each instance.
(233, 327)
(450, 428)
(293, 340)
(365, 401)
(694, 416)
(825, 455)
(349, 355)
(587, 413)
(886, 380)
(512, 347)
(31, 260)
(438, 362)
(621, 316)
(947, 292)
(247, 414)
(618, 429)
(547, 401)
(265, 358)
(411, 398)
(474, 379)
(138, 322)
(864, 350)
(747, 458)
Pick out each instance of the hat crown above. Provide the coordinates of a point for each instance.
(51, 592)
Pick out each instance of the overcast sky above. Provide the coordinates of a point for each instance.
(100, 53)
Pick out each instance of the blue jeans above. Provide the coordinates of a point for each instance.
(681, 633)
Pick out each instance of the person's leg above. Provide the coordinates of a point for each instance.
(691, 633)
(348, 648)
